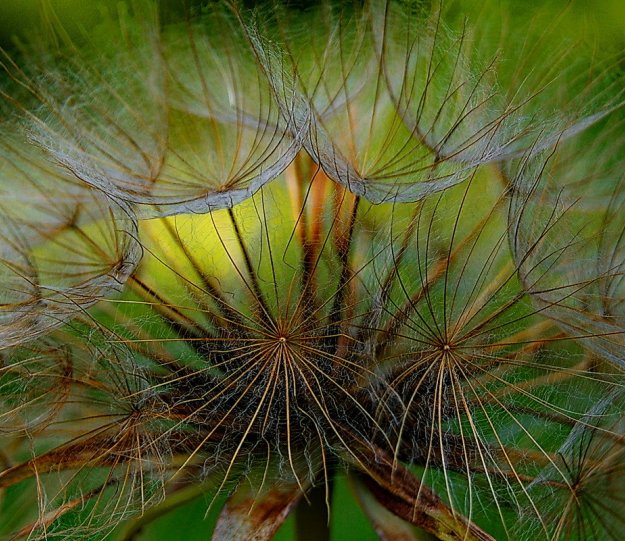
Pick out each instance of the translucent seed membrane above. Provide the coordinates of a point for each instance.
(63, 246)
(352, 126)
(394, 106)
(471, 103)
(568, 220)
(586, 502)
(397, 105)
(178, 120)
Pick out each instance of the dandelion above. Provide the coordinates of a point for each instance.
(241, 264)
(588, 497)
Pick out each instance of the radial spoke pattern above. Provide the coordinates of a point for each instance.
(243, 253)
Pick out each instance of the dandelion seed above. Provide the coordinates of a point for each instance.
(64, 247)
(237, 264)
(187, 144)
(589, 495)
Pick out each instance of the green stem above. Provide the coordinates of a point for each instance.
(312, 519)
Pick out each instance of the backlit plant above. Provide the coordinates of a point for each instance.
(249, 252)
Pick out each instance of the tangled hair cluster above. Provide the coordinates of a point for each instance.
(247, 251)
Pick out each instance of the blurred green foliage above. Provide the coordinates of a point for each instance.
(600, 20)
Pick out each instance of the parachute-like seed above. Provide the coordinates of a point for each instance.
(175, 120)
(567, 238)
(92, 402)
(398, 107)
(583, 497)
(63, 247)
(245, 253)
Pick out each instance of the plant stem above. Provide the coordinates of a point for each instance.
(312, 519)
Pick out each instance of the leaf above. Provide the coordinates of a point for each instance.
(251, 515)
(387, 525)
(399, 491)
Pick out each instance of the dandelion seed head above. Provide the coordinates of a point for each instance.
(246, 252)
